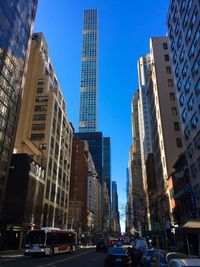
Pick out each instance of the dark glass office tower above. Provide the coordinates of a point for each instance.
(16, 21)
(95, 141)
(115, 210)
(106, 162)
(106, 194)
(88, 90)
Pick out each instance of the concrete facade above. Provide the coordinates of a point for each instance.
(45, 133)
(183, 25)
(166, 135)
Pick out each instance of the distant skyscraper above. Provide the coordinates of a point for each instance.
(184, 34)
(115, 209)
(144, 109)
(95, 142)
(144, 119)
(136, 199)
(16, 22)
(106, 183)
(88, 90)
(106, 162)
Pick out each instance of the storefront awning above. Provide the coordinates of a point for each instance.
(191, 226)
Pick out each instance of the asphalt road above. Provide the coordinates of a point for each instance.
(81, 258)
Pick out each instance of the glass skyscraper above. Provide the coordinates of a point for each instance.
(16, 21)
(88, 90)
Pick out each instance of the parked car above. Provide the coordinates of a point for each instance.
(146, 257)
(184, 262)
(101, 245)
(118, 256)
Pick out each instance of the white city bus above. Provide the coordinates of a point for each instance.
(50, 241)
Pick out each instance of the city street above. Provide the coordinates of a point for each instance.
(81, 258)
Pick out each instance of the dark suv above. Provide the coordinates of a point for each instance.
(101, 245)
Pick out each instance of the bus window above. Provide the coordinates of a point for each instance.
(35, 237)
(52, 238)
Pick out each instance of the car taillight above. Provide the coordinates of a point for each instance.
(128, 259)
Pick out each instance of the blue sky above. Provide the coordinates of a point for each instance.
(125, 27)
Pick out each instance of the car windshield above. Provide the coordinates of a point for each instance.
(36, 237)
(141, 243)
(117, 250)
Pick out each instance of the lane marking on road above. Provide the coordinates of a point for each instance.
(63, 260)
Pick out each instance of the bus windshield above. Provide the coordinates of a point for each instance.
(36, 237)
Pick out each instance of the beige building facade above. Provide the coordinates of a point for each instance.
(45, 133)
(166, 134)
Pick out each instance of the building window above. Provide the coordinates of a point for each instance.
(197, 88)
(181, 99)
(187, 86)
(168, 70)
(177, 70)
(40, 82)
(176, 126)
(182, 55)
(41, 99)
(172, 96)
(42, 146)
(184, 115)
(174, 111)
(194, 120)
(166, 57)
(190, 103)
(39, 90)
(37, 137)
(40, 108)
(170, 83)
(187, 132)
(179, 142)
(174, 57)
(39, 117)
(165, 46)
(179, 85)
(36, 127)
(184, 70)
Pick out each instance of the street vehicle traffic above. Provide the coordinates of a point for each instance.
(50, 241)
(118, 256)
(101, 245)
(146, 257)
(158, 259)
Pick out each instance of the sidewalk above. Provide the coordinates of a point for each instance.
(11, 253)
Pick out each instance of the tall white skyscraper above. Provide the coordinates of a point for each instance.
(88, 90)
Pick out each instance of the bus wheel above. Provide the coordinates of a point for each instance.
(51, 253)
